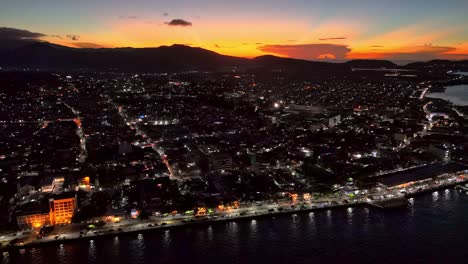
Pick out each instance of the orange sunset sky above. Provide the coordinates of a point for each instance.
(314, 30)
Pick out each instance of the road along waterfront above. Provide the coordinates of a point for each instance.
(72, 232)
(428, 229)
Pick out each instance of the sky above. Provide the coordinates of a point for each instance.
(330, 30)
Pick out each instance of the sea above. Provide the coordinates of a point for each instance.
(457, 94)
(433, 228)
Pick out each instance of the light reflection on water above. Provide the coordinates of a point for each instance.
(446, 194)
(166, 238)
(61, 253)
(435, 196)
(6, 258)
(253, 225)
(115, 247)
(137, 249)
(312, 217)
(209, 232)
(329, 217)
(92, 251)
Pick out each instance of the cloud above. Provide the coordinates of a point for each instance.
(376, 47)
(165, 14)
(179, 23)
(334, 38)
(416, 53)
(87, 45)
(308, 51)
(426, 52)
(73, 37)
(18, 34)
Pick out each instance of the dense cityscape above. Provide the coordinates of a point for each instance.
(90, 154)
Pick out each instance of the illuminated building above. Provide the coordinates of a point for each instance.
(113, 219)
(85, 183)
(54, 186)
(135, 213)
(32, 214)
(33, 220)
(62, 209)
(201, 211)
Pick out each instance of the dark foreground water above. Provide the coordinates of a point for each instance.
(433, 229)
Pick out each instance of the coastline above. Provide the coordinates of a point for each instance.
(205, 221)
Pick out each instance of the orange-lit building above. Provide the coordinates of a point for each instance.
(59, 210)
(85, 183)
(33, 220)
(62, 210)
(32, 214)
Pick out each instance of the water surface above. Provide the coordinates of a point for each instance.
(457, 94)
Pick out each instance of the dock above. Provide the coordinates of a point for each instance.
(389, 203)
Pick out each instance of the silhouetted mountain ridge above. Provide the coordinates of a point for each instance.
(48, 56)
(371, 64)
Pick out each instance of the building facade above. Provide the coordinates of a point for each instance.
(62, 210)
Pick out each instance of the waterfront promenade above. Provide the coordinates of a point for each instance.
(73, 232)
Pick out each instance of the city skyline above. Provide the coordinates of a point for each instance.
(312, 30)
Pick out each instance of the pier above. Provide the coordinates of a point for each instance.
(389, 203)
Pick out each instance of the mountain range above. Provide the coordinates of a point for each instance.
(175, 58)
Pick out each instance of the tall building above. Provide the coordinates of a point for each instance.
(62, 208)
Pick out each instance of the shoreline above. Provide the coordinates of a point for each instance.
(202, 222)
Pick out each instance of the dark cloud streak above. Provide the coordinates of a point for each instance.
(87, 45)
(73, 37)
(18, 34)
(179, 23)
